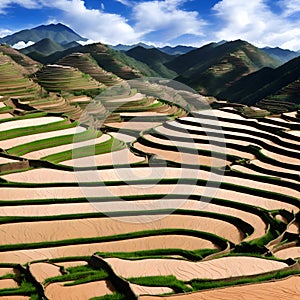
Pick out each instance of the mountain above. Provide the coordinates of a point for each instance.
(59, 33)
(178, 50)
(155, 59)
(279, 87)
(46, 47)
(214, 67)
(30, 65)
(284, 55)
(121, 47)
(110, 60)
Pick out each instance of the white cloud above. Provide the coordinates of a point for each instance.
(124, 2)
(166, 20)
(24, 3)
(22, 44)
(255, 22)
(290, 7)
(5, 32)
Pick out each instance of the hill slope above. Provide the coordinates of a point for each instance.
(110, 60)
(279, 85)
(154, 58)
(57, 32)
(214, 67)
(283, 55)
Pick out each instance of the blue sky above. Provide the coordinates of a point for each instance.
(162, 22)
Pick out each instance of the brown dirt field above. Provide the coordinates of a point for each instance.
(294, 228)
(71, 264)
(134, 125)
(5, 271)
(123, 156)
(286, 289)
(75, 208)
(208, 147)
(123, 137)
(149, 290)
(273, 168)
(48, 151)
(281, 158)
(42, 271)
(86, 291)
(147, 243)
(293, 252)
(36, 137)
(76, 192)
(4, 160)
(5, 116)
(8, 284)
(183, 158)
(33, 232)
(294, 132)
(28, 122)
(185, 270)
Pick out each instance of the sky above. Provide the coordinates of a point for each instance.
(162, 22)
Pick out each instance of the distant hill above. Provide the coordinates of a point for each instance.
(155, 59)
(59, 33)
(26, 62)
(178, 50)
(284, 55)
(280, 86)
(47, 47)
(121, 47)
(215, 67)
(110, 60)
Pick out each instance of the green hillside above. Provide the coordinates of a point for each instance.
(279, 85)
(214, 67)
(155, 59)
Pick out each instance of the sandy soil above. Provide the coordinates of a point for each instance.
(293, 252)
(208, 147)
(282, 158)
(185, 270)
(286, 289)
(294, 132)
(240, 135)
(123, 137)
(246, 170)
(149, 290)
(4, 160)
(40, 136)
(71, 264)
(75, 208)
(272, 167)
(147, 243)
(294, 228)
(33, 232)
(135, 97)
(5, 271)
(5, 116)
(134, 125)
(86, 291)
(124, 156)
(221, 114)
(48, 151)
(42, 271)
(8, 284)
(10, 194)
(28, 122)
(183, 158)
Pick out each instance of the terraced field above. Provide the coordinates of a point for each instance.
(136, 196)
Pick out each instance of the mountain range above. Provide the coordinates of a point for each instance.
(236, 70)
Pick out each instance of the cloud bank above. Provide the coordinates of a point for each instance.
(262, 22)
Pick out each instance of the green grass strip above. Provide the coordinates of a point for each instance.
(165, 281)
(53, 142)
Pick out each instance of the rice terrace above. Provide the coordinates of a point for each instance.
(123, 176)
